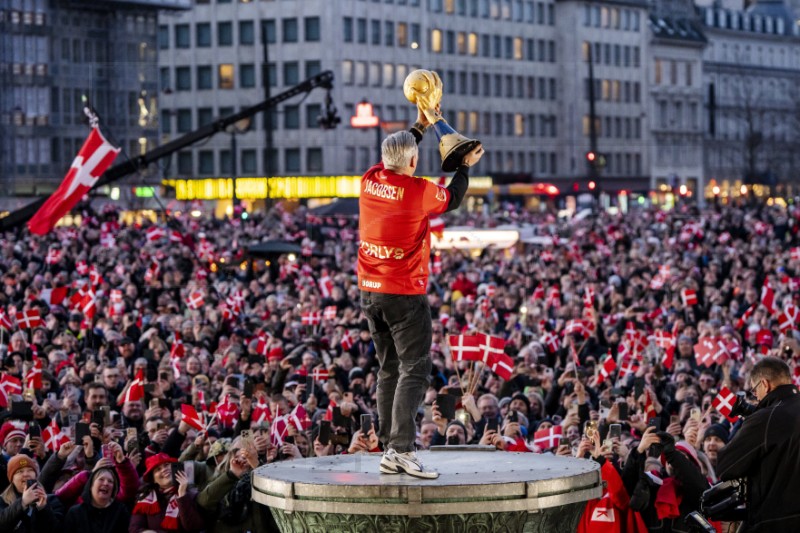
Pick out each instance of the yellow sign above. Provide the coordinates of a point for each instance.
(282, 187)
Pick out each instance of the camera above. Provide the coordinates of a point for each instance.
(741, 407)
(725, 501)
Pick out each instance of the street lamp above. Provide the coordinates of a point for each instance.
(240, 126)
(365, 118)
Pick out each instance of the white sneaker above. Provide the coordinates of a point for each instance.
(398, 463)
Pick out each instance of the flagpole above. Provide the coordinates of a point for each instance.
(477, 378)
(458, 373)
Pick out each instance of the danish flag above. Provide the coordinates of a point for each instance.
(33, 378)
(325, 286)
(175, 237)
(94, 276)
(320, 374)
(464, 347)
(347, 341)
(5, 322)
(491, 348)
(311, 318)
(92, 160)
(195, 300)
(689, 297)
(550, 339)
(329, 411)
(628, 368)
(548, 438)
(53, 437)
(503, 366)
(538, 293)
(8, 385)
(29, 319)
(588, 297)
(261, 411)
(329, 313)
(723, 402)
(155, 233)
(577, 327)
(262, 346)
(135, 392)
(227, 412)
(795, 254)
(299, 418)
(89, 304)
(81, 268)
(53, 256)
(609, 365)
(768, 296)
(189, 416)
(178, 349)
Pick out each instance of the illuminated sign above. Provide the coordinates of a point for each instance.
(364, 118)
(144, 192)
(465, 238)
(282, 187)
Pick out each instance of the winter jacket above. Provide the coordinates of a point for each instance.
(15, 519)
(189, 516)
(230, 500)
(766, 452)
(86, 518)
(611, 512)
(70, 492)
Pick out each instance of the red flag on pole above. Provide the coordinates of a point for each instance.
(94, 157)
(136, 391)
(190, 416)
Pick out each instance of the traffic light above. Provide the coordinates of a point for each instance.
(592, 185)
(591, 157)
(595, 160)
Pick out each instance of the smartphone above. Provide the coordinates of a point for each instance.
(615, 431)
(325, 432)
(34, 430)
(106, 451)
(674, 419)
(131, 434)
(491, 425)
(366, 424)
(339, 419)
(695, 414)
(623, 410)
(638, 387)
(99, 418)
(248, 388)
(106, 415)
(82, 430)
(188, 469)
(149, 388)
(22, 410)
(53, 397)
(247, 438)
(30, 483)
(452, 440)
(447, 405)
(563, 441)
(654, 422)
(512, 417)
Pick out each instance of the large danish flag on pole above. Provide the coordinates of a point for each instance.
(94, 157)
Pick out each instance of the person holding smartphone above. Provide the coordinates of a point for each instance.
(24, 504)
(393, 259)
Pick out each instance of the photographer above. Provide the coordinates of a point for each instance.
(765, 451)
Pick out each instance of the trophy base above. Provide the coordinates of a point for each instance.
(453, 157)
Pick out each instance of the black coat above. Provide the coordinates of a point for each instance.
(13, 518)
(766, 451)
(85, 518)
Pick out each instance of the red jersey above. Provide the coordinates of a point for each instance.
(395, 231)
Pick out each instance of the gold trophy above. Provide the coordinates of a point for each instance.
(424, 88)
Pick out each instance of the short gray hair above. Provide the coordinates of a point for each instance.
(397, 149)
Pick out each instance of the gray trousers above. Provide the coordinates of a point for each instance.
(400, 326)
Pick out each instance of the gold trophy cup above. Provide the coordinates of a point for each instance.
(424, 88)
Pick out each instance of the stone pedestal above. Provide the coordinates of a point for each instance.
(478, 490)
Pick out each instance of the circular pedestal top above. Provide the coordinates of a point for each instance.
(469, 480)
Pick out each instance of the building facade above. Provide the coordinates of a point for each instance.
(52, 55)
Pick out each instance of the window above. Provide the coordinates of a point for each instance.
(402, 34)
(361, 30)
(291, 73)
(348, 30)
(205, 162)
(205, 116)
(388, 33)
(248, 159)
(268, 29)
(657, 67)
(185, 163)
(224, 33)
(517, 47)
(225, 76)
(313, 111)
(164, 80)
(203, 34)
(182, 39)
(688, 74)
(472, 44)
(247, 32)
(183, 79)
(312, 29)
(184, 120)
(204, 77)
(292, 160)
(314, 160)
(436, 41)
(163, 37)
(247, 76)
(290, 30)
(166, 122)
(375, 31)
(291, 117)
(225, 162)
(313, 68)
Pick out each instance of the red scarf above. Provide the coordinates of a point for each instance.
(149, 506)
(668, 500)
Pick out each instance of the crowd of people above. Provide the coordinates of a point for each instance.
(147, 370)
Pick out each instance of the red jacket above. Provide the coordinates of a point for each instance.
(70, 493)
(611, 513)
(394, 229)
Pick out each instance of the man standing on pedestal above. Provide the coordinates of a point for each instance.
(393, 261)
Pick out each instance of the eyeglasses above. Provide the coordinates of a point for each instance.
(752, 392)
